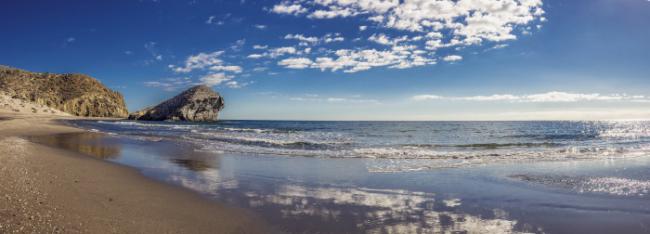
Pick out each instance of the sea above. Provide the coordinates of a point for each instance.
(444, 144)
(396, 177)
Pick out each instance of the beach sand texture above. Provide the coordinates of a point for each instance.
(48, 190)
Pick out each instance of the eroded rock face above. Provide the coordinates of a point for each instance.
(199, 103)
(76, 94)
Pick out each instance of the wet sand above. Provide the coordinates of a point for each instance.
(51, 190)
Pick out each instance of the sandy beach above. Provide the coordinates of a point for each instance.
(49, 190)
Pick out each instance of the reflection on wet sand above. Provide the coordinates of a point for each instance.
(86, 143)
(334, 209)
(376, 210)
(295, 207)
(194, 165)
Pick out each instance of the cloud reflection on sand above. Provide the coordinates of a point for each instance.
(364, 209)
(299, 207)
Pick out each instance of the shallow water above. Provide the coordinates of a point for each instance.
(348, 195)
(443, 144)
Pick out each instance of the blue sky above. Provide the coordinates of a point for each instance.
(351, 60)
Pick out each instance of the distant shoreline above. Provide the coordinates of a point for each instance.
(49, 190)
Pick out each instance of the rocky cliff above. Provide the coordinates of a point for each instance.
(199, 103)
(76, 94)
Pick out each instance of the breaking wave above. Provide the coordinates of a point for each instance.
(461, 142)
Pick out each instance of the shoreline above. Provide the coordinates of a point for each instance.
(307, 194)
(46, 189)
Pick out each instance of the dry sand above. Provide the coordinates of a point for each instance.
(48, 190)
(17, 106)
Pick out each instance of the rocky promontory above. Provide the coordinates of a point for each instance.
(199, 103)
(76, 94)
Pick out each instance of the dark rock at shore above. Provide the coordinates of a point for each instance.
(199, 103)
(77, 94)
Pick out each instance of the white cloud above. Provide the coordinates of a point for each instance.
(452, 58)
(277, 52)
(333, 12)
(384, 39)
(215, 79)
(319, 98)
(199, 61)
(213, 20)
(230, 68)
(424, 25)
(218, 70)
(351, 61)
(236, 85)
(255, 56)
(301, 37)
(332, 37)
(288, 8)
(424, 97)
(311, 40)
(238, 45)
(296, 63)
(169, 84)
(260, 26)
(260, 47)
(554, 96)
(260, 69)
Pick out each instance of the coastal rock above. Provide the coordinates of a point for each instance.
(76, 94)
(199, 103)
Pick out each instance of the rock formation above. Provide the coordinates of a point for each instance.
(199, 103)
(75, 94)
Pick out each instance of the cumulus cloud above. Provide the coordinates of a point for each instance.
(351, 61)
(255, 56)
(236, 85)
(214, 69)
(296, 63)
(169, 84)
(276, 52)
(288, 8)
(230, 68)
(452, 58)
(554, 96)
(201, 61)
(302, 38)
(420, 29)
(312, 40)
(215, 79)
